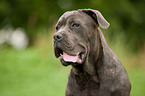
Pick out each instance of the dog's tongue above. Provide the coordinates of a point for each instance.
(69, 58)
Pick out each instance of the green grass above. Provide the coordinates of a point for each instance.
(36, 72)
(29, 73)
(137, 78)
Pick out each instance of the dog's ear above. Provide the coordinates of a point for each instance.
(97, 17)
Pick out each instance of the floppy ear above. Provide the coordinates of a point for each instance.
(97, 17)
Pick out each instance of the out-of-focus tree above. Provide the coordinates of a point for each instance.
(125, 16)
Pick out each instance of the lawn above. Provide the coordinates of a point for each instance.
(30, 73)
(36, 72)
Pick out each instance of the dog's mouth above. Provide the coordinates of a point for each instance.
(70, 58)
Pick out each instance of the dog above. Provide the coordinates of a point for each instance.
(79, 42)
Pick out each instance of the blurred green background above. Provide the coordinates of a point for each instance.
(28, 66)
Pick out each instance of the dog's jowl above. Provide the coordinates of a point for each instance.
(79, 42)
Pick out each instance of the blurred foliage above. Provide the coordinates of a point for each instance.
(125, 16)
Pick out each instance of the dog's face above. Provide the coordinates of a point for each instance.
(72, 38)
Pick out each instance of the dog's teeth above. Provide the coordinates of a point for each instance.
(79, 61)
(82, 56)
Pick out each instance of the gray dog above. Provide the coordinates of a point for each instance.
(79, 42)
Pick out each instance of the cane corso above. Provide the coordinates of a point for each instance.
(79, 42)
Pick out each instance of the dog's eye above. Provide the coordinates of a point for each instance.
(75, 25)
(57, 27)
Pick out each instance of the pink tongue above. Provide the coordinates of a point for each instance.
(69, 58)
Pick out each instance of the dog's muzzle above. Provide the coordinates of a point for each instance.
(67, 55)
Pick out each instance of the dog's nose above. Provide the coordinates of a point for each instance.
(58, 36)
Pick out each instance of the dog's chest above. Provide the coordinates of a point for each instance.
(82, 85)
(86, 83)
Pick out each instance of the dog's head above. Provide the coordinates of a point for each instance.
(75, 34)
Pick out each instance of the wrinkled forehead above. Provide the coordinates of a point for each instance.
(69, 13)
(73, 15)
